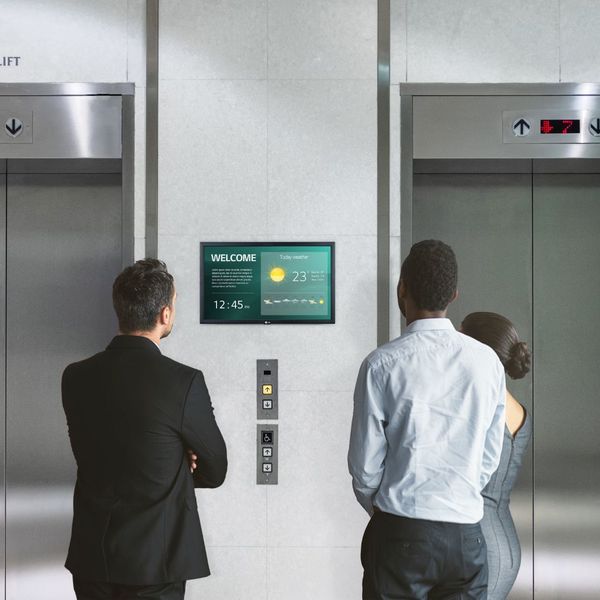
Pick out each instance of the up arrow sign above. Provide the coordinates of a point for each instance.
(595, 126)
(14, 127)
(521, 127)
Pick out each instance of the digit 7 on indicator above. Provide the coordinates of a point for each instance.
(568, 124)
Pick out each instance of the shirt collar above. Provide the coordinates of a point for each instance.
(429, 325)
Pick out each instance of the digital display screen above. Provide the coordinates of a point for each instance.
(267, 282)
(559, 126)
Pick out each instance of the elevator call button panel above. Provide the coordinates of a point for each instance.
(267, 390)
(267, 455)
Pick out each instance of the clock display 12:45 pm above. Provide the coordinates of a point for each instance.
(233, 304)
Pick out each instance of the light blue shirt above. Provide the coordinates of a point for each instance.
(428, 424)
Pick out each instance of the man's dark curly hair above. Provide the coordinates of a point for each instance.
(140, 292)
(430, 274)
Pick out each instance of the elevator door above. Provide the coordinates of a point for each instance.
(528, 247)
(487, 220)
(566, 292)
(63, 250)
(2, 370)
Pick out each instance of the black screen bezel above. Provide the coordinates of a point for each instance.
(330, 321)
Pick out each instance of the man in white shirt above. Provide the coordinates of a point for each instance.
(426, 437)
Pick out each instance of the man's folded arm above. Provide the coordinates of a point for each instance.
(201, 434)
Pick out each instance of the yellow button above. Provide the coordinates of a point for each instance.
(267, 389)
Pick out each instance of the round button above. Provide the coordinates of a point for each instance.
(521, 127)
(13, 127)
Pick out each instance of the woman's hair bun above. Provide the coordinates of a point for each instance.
(519, 361)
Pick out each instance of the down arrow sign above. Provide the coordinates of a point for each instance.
(14, 127)
(595, 126)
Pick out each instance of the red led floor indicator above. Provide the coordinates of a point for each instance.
(560, 126)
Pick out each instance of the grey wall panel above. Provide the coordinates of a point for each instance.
(64, 250)
(486, 218)
(59, 165)
(567, 380)
(475, 166)
(566, 165)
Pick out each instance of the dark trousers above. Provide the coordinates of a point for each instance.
(412, 559)
(85, 590)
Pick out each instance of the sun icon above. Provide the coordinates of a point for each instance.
(277, 274)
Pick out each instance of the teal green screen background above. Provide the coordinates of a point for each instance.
(284, 283)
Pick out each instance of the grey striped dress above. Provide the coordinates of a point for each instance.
(504, 549)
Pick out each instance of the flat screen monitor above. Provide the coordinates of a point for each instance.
(267, 282)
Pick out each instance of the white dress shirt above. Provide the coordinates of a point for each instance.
(428, 424)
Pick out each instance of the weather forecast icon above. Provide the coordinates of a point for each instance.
(277, 274)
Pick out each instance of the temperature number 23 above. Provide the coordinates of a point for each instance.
(299, 276)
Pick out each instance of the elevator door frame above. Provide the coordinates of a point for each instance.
(585, 96)
(3, 343)
(499, 155)
(125, 92)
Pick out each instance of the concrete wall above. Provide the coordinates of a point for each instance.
(268, 132)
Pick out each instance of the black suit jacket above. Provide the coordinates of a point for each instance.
(132, 413)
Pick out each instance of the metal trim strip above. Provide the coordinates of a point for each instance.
(383, 171)
(67, 89)
(500, 89)
(152, 41)
(128, 180)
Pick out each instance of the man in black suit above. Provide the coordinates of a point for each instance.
(144, 435)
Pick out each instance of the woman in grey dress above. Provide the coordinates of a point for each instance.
(504, 550)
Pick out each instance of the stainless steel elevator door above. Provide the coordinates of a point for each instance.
(63, 252)
(528, 246)
(2, 362)
(486, 218)
(566, 234)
